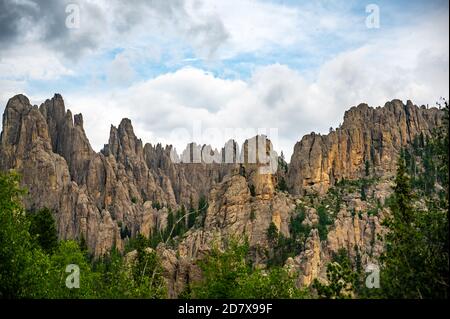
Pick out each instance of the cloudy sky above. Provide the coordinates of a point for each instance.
(197, 69)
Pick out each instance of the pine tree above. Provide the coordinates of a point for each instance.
(202, 210)
(43, 227)
(272, 234)
(402, 192)
(341, 278)
(192, 214)
(170, 223)
(415, 260)
(367, 168)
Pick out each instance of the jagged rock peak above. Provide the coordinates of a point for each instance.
(123, 141)
(125, 124)
(18, 101)
(78, 120)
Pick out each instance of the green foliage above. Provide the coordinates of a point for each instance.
(272, 233)
(67, 253)
(156, 205)
(178, 223)
(334, 198)
(282, 247)
(341, 279)
(138, 277)
(252, 215)
(402, 208)
(192, 214)
(252, 190)
(367, 168)
(170, 221)
(147, 280)
(32, 265)
(43, 228)
(282, 163)
(125, 232)
(363, 192)
(222, 272)
(114, 276)
(324, 221)
(415, 260)
(229, 274)
(275, 283)
(341, 257)
(181, 225)
(282, 186)
(202, 209)
(355, 185)
(16, 246)
(427, 162)
(441, 147)
(373, 211)
(298, 231)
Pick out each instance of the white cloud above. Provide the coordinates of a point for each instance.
(120, 71)
(9, 88)
(406, 63)
(255, 26)
(277, 96)
(32, 62)
(410, 63)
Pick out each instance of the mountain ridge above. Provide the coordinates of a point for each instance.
(128, 188)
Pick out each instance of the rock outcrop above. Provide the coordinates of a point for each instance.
(128, 188)
(91, 193)
(27, 145)
(124, 185)
(372, 135)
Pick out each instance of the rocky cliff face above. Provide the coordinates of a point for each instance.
(28, 143)
(372, 135)
(356, 226)
(130, 186)
(233, 212)
(121, 186)
(93, 193)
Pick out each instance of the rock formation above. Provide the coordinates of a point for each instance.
(119, 185)
(373, 135)
(128, 188)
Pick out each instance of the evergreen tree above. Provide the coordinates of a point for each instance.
(170, 224)
(192, 214)
(367, 168)
(43, 227)
(202, 209)
(341, 279)
(272, 234)
(32, 265)
(228, 273)
(363, 193)
(180, 221)
(415, 260)
(324, 221)
(15, 240)
(282, 186)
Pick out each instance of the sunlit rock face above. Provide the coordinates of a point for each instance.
(372, 135)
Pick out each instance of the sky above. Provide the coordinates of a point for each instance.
(210, 70)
